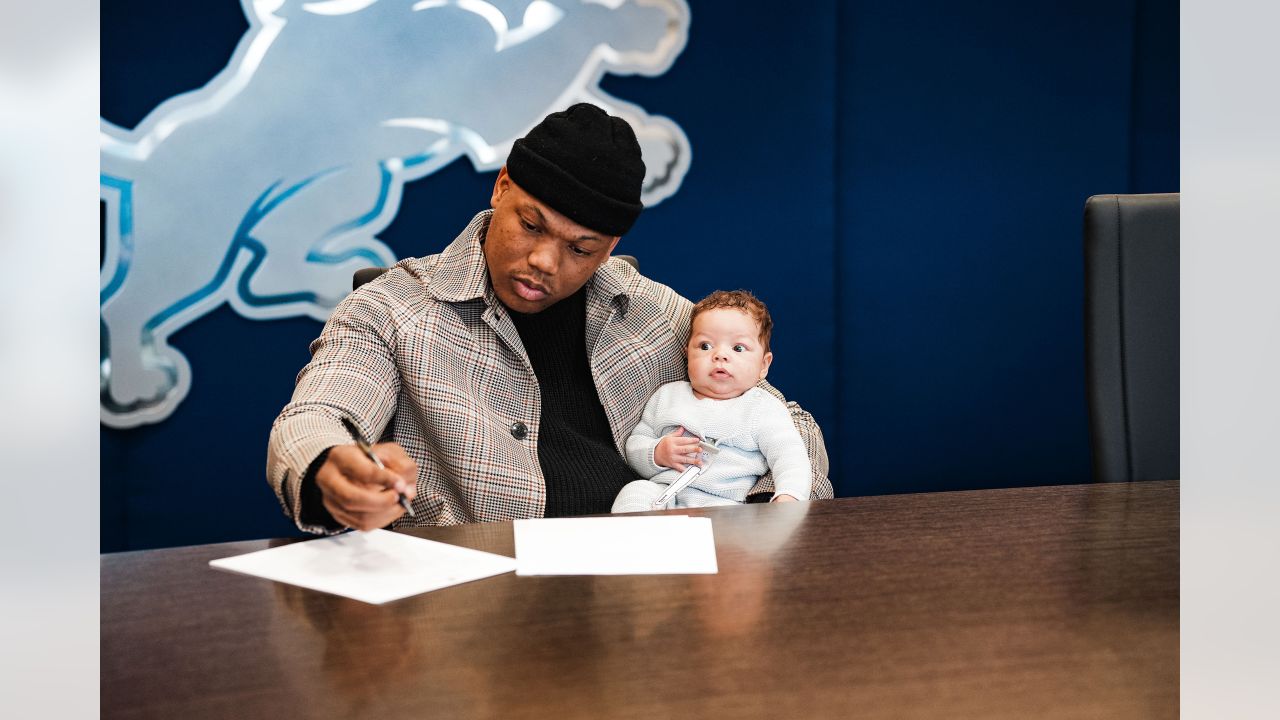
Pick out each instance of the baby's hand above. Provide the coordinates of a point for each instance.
(677, 452)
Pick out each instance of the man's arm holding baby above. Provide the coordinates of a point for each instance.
(783, 449)
(815, 448)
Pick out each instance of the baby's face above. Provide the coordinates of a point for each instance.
(725, 356)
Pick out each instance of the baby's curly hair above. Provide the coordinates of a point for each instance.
(738, 300)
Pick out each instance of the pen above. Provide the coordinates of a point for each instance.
(368, 451)
(680, 483)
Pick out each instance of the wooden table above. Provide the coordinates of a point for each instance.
(1020, 603)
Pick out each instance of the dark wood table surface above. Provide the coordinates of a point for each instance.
(1020, 603)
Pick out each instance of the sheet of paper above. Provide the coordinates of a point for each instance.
(615, 546)
(376, 566)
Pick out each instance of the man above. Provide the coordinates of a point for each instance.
(504, 373)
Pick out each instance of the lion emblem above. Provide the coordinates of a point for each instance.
(266, 188)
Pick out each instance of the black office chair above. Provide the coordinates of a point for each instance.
(365, 275)
(1131, 335)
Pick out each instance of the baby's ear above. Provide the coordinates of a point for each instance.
(764, 369)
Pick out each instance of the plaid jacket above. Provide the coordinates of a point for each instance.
(428, 357)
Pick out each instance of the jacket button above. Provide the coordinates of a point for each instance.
(519, 431)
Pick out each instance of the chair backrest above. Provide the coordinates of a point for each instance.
(1131, 335)
(365, 275)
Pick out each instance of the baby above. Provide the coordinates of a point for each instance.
(728, 353)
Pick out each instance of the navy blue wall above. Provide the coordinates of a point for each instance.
(901, 182)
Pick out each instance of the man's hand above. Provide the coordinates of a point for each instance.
(676, 452)
(784, 498)
(362, 495)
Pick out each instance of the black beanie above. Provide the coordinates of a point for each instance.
(585, 164)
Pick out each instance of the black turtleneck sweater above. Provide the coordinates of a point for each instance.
(582, 467)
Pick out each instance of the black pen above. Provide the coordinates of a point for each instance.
(364, 447)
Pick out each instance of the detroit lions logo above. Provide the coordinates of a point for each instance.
(266, 188)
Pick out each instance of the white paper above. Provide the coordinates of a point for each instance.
(376, 566)
(615, 546)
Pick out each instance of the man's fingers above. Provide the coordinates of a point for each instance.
(364, 521)
(403, 466)
(341, 516)
(354, 496)
(358, 468)
(370, 500)
(360, 494)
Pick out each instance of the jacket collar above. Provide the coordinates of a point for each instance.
(461, 273)
(608, 284)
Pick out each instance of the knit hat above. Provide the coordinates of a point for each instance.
(585, 164)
